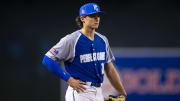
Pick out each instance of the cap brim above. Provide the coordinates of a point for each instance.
(101, 13)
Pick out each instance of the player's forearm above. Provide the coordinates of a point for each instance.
(54, 67)
(114, 79)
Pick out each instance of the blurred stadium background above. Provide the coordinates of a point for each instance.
(144, 36)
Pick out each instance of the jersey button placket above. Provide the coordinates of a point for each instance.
(94, 52)
(93, 48)
(95, 62)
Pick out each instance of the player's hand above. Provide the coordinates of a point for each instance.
(76, 84)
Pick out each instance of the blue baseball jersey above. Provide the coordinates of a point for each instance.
(83, 58)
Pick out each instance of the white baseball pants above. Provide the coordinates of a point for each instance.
(90, 94)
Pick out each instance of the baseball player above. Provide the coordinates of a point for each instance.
(86, 54)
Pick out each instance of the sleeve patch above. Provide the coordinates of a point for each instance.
(54, 51)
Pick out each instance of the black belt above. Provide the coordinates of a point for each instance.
(89, 83)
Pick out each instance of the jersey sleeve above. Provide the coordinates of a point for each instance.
(109, 55)
(62, 50)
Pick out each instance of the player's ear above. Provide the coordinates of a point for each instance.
(82, 19)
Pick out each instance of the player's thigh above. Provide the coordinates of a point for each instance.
(74, 96)
(99, 95)
(69, 94)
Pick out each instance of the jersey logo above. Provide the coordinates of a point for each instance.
(92, 57)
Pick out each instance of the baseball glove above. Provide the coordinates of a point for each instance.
(115, 98)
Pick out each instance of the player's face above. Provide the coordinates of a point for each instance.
(92, 21)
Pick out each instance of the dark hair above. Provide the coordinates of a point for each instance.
(79, 22)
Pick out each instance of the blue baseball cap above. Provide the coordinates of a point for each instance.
(90, 8)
